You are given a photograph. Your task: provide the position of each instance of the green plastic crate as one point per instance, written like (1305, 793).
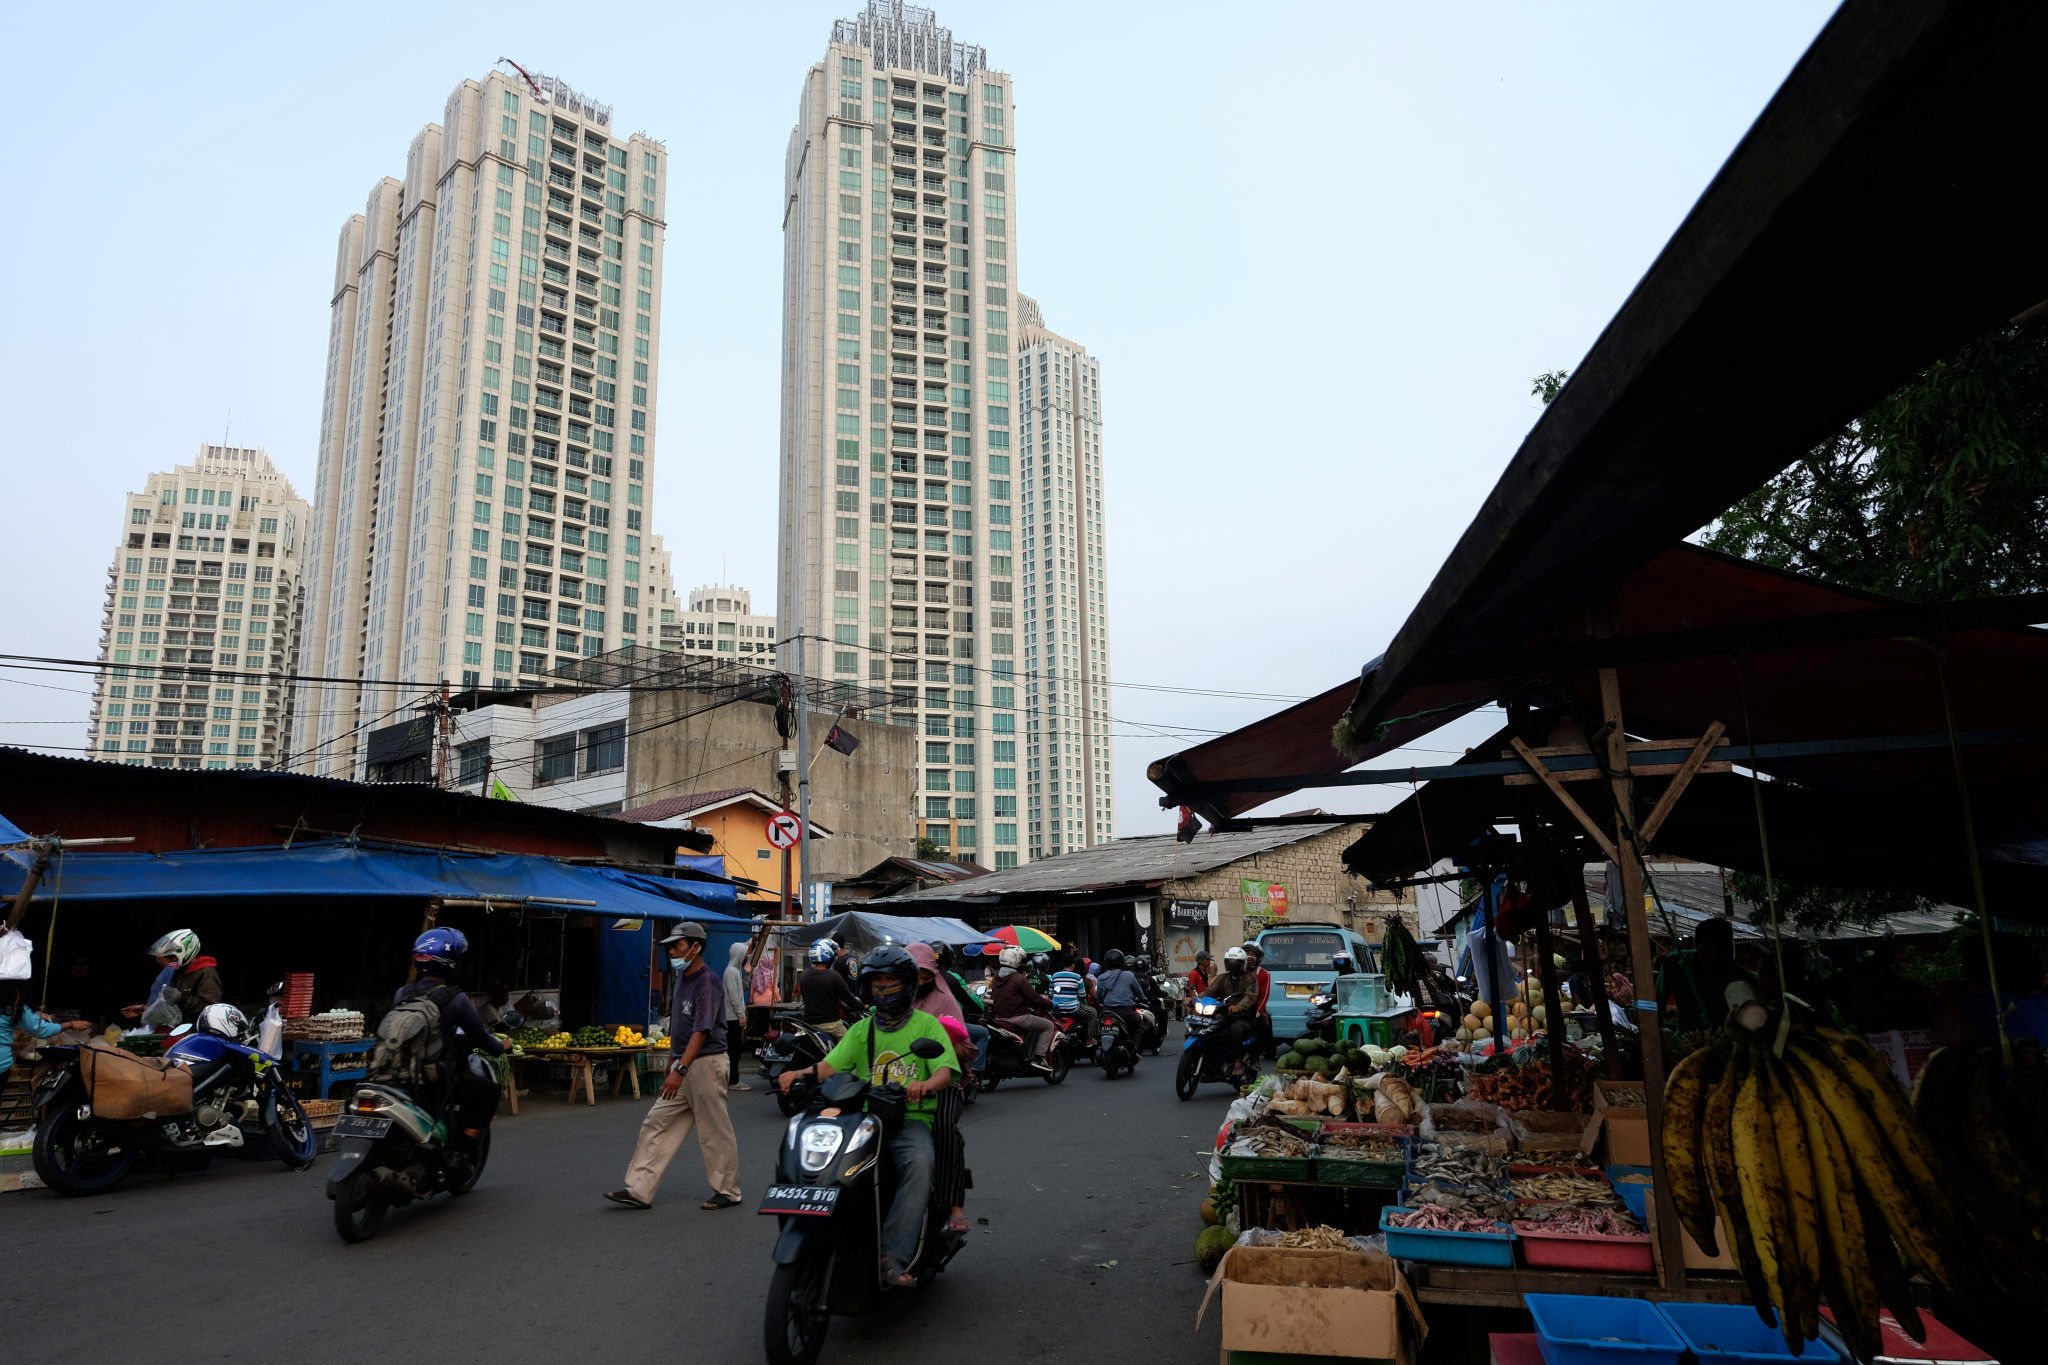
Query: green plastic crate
(1289, 1168)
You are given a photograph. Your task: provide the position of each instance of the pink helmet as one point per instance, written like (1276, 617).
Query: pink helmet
(955, 1030)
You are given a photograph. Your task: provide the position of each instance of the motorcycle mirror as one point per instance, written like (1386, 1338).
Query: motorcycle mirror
(927, 1048)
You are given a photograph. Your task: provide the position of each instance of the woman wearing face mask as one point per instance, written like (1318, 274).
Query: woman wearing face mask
(693, 1094)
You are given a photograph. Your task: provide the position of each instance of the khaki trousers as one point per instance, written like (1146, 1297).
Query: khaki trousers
(700, 1104)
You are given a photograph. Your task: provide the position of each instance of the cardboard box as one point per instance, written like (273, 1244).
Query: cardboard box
(1695, 1259)
(1348, 1305)
(1626, 1127)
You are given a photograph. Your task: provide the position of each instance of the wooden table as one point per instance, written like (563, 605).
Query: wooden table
(1477, 1287)
(583, 1070)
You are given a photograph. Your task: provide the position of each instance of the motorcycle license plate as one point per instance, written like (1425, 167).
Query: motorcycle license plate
(812, 1200)
(1301, 988)
(361, 1126)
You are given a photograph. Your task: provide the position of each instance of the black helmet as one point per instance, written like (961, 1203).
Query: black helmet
(888, 964)
(1113, 960)
(1040, 961)
(943, 954)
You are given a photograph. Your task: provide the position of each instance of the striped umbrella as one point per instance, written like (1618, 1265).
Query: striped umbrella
(1025, 937)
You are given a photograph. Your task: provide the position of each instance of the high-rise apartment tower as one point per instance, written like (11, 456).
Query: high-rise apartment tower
(900, 507)
(202, 623)
(1069, 789)
(487, 433)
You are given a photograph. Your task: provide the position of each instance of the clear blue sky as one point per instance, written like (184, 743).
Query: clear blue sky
(1320, 250)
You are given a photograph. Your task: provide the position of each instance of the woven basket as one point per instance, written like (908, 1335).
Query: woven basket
(321, 1109)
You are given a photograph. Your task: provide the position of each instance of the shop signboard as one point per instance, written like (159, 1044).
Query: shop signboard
(1186, 914)
(1265, 900)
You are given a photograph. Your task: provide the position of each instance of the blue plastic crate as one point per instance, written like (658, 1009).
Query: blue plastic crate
(1722, 1333)
(1448, 1248)
(1587, 1329)
(1636, 1196)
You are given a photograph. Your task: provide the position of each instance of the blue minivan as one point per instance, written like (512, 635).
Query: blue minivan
(1298, 959)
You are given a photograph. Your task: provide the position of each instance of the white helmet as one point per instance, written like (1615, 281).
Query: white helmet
(1013, 957)
(1234, 960)
(224, 1021)
(182, 944)
(823, 952)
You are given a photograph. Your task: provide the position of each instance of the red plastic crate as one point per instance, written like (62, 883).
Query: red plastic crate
(298, 995)
(1584, 1251)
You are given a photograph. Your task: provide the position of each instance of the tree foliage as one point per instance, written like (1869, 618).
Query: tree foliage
(1939, 491)
(930, 851)
(1824, 908)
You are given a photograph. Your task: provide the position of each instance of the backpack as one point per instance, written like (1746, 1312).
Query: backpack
(411, 1044)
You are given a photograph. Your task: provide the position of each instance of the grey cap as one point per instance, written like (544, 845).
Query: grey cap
(688, 928)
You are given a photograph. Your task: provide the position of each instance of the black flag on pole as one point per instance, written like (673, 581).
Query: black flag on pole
(845, 741)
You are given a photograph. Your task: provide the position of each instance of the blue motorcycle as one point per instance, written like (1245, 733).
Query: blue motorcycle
(238, 1101)
(1207, 1054)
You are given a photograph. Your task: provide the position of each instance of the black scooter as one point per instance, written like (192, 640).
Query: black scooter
(1009, 1057)
(792, 1045)
(831, 1192)
(390, 1151)
(1116, 1048)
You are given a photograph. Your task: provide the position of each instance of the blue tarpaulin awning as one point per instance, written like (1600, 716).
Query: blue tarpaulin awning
(330, 870)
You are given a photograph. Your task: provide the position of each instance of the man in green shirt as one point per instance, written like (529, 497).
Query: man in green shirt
(879, 1047)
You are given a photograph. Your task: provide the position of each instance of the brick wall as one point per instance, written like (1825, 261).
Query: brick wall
(1318, 888)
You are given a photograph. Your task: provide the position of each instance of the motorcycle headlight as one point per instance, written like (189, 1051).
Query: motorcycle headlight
(864, 1133)
(1317, 1002)
(1205, 1009)
(818, 1144)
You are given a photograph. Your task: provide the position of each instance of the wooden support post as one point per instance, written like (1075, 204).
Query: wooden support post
(1549, 779)
(1596, 971)
(1684, 775)
(1553, 1011)
(1671, 1258)
(28, 887)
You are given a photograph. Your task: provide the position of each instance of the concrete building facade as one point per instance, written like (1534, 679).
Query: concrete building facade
(720, 620)
(566, 750)
(899, 559)
(1069, 780)
(488, 424)
(682, 744)
(201, 629)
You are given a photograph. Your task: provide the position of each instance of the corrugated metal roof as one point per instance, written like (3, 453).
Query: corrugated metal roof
(670, 806)
(1153, 858)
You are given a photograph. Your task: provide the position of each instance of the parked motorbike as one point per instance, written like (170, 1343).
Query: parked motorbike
(238, 1101)
(791, 1045)
(1205, 1054)
(1009, 1058)
(389, 1151)
(832, 1189)
(1116, 1049)
(1321, 1021)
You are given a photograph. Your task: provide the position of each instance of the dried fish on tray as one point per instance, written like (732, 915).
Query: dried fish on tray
(1321, 1237)
(1259, 1140)
(1580, 1220)
(1459, 1165)
(1560, 1185)
(1479, 1200)
(1362, 1147)
(1435, 1219)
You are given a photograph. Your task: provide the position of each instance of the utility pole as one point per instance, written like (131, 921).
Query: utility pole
(444, 721)
(782, 732)
(803, 780)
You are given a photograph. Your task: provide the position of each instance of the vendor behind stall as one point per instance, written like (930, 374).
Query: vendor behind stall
(1694, 981)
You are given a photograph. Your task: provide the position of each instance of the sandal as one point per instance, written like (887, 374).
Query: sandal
(957, 1224)
(622, 1197)
(719, 1201)
(895, 1276)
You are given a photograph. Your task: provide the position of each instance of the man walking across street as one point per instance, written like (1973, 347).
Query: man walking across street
(693, 1092)
(735, 1013)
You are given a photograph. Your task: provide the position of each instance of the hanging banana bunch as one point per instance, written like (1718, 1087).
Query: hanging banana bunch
(1823, 1181)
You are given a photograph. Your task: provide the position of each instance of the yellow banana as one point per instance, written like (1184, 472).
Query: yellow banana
(1763, 1193)
(1894, 1290)
(1845, 1260)
(1686, 1092)
(1802, 1212)
(1917, 1217)
(1726, 1185)
(1870, 1076)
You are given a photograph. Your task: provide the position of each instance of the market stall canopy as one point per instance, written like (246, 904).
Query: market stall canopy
(11, 833)
(861, 931)
(330, 870)
(1782, 307)
(1756, 332)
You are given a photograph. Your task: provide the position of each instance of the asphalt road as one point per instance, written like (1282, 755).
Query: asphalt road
(241, 1262)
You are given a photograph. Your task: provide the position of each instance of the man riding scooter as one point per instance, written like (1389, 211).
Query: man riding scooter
(879, 1047)
(472, 1091)
(1118, 990)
